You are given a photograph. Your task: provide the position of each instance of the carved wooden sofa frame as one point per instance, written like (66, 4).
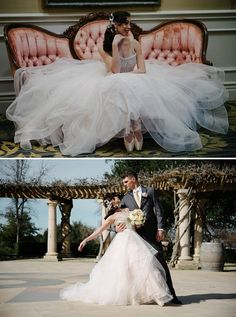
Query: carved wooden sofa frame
(174, 42)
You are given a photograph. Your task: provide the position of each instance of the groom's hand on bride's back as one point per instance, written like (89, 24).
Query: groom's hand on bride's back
(120, 227)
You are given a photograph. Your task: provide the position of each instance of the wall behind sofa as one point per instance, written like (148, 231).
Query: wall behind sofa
(218, 15)
(16, 6)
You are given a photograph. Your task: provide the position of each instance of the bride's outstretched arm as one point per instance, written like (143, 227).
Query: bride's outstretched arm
(110, 220)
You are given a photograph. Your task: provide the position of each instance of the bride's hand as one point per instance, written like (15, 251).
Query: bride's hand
(131, 36)
(82, 245)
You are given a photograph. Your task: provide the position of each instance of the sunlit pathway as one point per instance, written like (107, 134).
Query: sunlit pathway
(31, 288)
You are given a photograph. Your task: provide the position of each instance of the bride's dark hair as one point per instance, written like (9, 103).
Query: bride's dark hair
(107, 203)
(118, 17)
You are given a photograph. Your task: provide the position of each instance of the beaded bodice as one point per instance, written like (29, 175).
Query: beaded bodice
(122, 217)
(127, 63)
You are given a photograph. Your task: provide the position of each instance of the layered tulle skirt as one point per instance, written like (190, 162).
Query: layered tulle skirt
(127, 274)
(78, 106)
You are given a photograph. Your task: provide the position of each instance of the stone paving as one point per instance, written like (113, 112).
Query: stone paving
(30, 288)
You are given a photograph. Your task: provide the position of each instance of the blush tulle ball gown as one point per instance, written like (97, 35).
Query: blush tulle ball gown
(79, 106)
(127, 274)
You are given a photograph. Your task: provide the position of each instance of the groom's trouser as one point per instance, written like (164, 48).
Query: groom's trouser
(160, 258)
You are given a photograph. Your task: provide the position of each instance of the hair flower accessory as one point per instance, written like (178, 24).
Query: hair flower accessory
(111, 20)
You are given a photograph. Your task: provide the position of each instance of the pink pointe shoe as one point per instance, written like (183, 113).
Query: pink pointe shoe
(138, 144)
(129, 145)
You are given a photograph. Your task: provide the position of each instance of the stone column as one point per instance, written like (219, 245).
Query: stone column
(198, 235)
(52, 254)
(183, 217)
(65, 208)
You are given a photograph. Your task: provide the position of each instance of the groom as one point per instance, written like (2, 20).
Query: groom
(145, 198)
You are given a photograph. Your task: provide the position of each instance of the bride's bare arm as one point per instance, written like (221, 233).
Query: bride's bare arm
(112, 62)
(115, 66)
(141, 69)
(109, 221)
(107, 59)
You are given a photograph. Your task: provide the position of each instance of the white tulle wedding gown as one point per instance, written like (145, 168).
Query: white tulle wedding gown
(127, 274)
(78, 106)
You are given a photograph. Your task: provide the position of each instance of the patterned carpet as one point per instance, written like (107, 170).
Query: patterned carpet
(214, 145)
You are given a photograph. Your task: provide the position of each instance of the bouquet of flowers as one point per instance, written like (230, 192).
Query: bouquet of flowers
(137, 217)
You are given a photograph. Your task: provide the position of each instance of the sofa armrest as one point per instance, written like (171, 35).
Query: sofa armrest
(29, 45)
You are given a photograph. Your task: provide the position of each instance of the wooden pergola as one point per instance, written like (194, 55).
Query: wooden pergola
(185, 183)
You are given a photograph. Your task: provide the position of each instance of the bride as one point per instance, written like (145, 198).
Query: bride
(81, 105)
(127, 274)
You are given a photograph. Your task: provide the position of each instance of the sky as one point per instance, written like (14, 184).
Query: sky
(85, 210)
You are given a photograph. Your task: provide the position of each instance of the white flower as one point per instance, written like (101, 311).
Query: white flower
(144, 194)
(137, 217)
(140, 217)
(132, 217)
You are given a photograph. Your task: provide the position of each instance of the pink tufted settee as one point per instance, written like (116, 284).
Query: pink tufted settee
(174, 42)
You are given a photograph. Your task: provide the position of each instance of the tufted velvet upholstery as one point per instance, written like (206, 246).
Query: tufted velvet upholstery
(174, 43)
(88, 38)
(34, 47)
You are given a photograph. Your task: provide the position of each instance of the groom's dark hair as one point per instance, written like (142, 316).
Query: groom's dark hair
(129, 173)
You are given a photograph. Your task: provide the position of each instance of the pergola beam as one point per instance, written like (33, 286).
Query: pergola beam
(163, 182)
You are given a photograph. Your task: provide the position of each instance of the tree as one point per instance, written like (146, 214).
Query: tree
(79, 231)
(220, 216)
(20, 172)
(149, 167)
(8, 231)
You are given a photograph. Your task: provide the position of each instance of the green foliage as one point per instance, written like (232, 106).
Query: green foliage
(79, 231)
(6, 251)
(220, 217)
(167, 204)
(149, 167)
(18, 226)
(8, 230)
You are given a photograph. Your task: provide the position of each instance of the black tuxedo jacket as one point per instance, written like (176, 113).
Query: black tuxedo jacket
(150, 205)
